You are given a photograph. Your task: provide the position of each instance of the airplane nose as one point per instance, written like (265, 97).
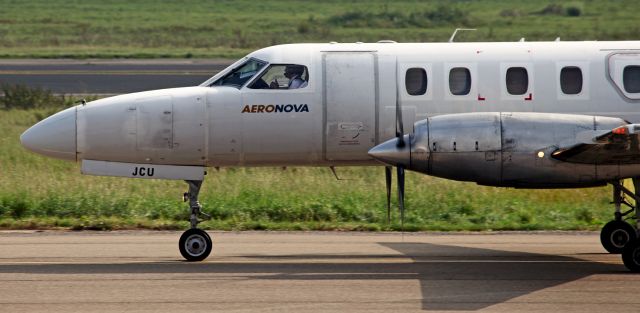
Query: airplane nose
(54, 136)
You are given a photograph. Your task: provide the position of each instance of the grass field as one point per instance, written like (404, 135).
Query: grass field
(37, 192)
(191, 28)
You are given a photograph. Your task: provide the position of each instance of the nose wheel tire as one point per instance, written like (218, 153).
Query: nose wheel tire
(195, 244)
(615, 235)
(631, 256)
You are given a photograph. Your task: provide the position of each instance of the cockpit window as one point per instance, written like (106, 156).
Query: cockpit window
(241, 74)
(283, 76)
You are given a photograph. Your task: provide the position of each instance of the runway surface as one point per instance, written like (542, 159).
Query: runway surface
(313, 272)
(108, 77)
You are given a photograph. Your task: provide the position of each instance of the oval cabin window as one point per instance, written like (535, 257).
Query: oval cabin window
(415, 81)
(459, 81)
(631, 78)
(571, 80)
(517, 80)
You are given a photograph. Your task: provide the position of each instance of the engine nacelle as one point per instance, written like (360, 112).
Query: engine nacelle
(511, 149)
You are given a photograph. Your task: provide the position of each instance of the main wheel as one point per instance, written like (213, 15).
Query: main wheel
(195, 244)
(631, 256)
(615, 235)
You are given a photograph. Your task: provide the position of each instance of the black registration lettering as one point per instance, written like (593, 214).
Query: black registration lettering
(143, 171)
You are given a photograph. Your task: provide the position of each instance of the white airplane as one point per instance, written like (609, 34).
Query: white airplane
(513, 114)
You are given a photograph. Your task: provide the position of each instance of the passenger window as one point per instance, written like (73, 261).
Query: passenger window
(517, 80)
(631, 78)
(240, 75)
(415, 81)
(460, 81)
(571, 80)
(284, 76)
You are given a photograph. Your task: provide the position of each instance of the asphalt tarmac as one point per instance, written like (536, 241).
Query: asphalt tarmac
(108, 77)
(141, 271)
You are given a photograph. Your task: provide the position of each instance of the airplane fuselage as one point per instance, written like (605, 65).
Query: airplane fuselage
(348, 106)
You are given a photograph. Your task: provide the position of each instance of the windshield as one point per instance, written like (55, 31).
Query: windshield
(282, 76)
(241, 74)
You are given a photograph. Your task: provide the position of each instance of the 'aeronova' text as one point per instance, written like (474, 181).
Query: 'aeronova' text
(277, 108)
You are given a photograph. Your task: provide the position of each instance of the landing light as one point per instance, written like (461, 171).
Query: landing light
(541, 154)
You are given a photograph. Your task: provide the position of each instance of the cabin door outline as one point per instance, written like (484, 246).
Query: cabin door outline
(350, 102)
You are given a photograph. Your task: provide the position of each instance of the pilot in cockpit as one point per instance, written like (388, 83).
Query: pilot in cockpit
(294, 73)
(289, 76)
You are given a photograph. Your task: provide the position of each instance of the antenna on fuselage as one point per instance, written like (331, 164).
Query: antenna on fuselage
(456, 31)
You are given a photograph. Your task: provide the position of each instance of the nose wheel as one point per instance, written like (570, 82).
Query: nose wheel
(195, 244)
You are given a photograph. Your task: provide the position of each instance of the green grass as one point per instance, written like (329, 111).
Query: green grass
(37, 192)
(191, 28)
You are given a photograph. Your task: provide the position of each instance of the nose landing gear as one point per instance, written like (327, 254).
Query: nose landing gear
(195, 244)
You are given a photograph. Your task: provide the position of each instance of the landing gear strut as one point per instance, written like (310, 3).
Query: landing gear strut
(195, 244)
(616, 234)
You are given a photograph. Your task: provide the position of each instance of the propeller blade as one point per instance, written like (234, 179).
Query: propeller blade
(399, 124)
(400, 174)
(387, 174)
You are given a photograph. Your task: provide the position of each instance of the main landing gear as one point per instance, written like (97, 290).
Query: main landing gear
(617, 233)
(195, 244)
(618, 236)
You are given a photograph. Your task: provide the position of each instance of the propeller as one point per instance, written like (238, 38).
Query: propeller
(399, 144)
(395, 152)
(399, 127)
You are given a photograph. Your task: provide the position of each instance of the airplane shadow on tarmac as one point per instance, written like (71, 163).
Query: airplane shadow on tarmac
(451, 277)
(461, 278)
